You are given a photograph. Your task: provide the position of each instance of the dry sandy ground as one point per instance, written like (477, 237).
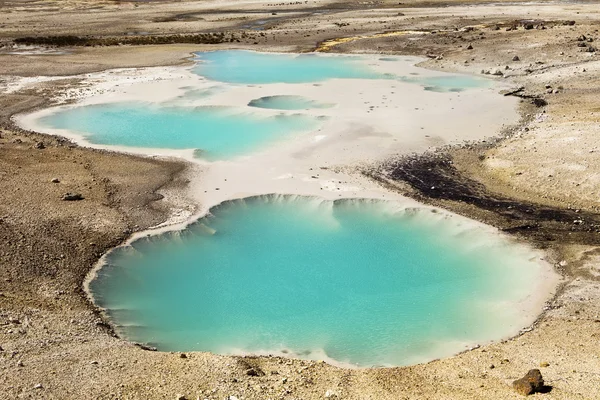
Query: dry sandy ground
(55, 346)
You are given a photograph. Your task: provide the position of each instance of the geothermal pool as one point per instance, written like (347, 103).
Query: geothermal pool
(210, 116)
(355, 282)
(217, 132)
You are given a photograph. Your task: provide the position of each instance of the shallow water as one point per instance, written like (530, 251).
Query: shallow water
(239, 66)
(217, 132)
(224, 129)
(359, 282)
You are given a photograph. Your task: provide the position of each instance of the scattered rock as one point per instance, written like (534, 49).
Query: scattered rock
(470, 47)
(539, 102)
(180, 397)
(544, 364)
(531, 383)
(528, 26)
(498, 73)
(254, 372)
(330, 394)
(72, 197)
(516, 58)
(183, 355)
(40, 145)
(55, 180)
(581, 44)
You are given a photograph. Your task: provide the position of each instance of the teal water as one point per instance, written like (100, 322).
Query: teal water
(240, 66)
(287, 102)
(353, 281)
(220, 132)
(217, 132)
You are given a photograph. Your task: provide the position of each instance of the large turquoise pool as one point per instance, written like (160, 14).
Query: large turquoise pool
(358, 282)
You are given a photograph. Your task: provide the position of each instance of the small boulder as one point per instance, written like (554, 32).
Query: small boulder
(55, 180)
(40, 145)
(72, 197)
(516, 58)
(531, 383)
(470, 47)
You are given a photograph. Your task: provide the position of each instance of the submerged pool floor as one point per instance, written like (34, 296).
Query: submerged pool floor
(358, 282)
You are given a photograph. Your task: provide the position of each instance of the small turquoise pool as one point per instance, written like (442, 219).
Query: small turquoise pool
(240, 66)
(353, 281)
(216, 132)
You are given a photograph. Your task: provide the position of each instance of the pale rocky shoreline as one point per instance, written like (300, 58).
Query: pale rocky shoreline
(53, 343)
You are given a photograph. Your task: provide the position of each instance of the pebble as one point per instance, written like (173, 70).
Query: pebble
(72, 197)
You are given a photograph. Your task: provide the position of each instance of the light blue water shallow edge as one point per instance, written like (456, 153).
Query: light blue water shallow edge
(353, 281)
(248, 67)
(217, 132)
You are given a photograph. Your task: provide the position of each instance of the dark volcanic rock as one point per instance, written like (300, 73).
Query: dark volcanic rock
(531, 383)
